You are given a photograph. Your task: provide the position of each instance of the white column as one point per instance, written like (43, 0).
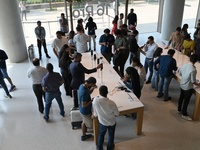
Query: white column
(172, 17)
(160, 15)
(11, 33)
(198, 14)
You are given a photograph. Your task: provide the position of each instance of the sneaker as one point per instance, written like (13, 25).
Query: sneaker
(159, 96)
(48, 56)
(12, 88)
(148, 81)
(169, 98)
(7, 96)
(85, 137)
(178, 111)
(186, 118)
(46, 119)
(63, 114)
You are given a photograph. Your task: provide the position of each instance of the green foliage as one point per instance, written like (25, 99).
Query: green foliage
(39, 1)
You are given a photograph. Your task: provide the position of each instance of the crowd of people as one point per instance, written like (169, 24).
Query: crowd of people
(116, 46)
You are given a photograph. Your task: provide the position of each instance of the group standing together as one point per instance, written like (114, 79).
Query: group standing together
(116, 46)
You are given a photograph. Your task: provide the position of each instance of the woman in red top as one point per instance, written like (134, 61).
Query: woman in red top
(114, 28)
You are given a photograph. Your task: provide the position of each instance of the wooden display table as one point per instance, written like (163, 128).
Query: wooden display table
(182, 59)
(127, 103)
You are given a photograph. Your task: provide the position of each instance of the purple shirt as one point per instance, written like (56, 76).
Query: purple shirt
(52, 82)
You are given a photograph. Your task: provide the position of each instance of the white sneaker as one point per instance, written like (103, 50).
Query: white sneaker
(186, 118)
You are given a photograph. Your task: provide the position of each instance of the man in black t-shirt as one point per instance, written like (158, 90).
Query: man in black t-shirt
(91, 32)
(132, 20)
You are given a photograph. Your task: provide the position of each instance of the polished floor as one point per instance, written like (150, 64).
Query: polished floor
(22, 127)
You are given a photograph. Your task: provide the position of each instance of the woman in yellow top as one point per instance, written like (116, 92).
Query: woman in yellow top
(188, 46)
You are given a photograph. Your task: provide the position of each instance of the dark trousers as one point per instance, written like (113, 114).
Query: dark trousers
(119, 68)
(111, 135)
(184, 99)
(107, 56)
(132, 55)
(75, 97)
(67, 81)
(3, 84)
(40, 44)
(39, 93)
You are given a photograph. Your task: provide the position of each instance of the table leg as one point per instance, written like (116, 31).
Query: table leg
(139, 121)
(96, 129)
(196, 107)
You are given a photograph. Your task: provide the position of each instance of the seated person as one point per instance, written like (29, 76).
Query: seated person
(132, 81)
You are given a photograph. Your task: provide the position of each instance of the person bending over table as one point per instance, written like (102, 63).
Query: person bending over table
(188, 78)
(85, 106)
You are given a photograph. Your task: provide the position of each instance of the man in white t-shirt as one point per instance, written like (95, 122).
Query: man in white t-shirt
(36, 73)
(58, 43)
(22, 7)
(106, 110)
(188, 74)
(120, 21)
(81, 40)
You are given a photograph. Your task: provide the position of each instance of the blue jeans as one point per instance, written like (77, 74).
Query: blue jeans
(3, 84)
(111, 135)
(49, 97)
(155, 80)
(149, 64)
(164, 81)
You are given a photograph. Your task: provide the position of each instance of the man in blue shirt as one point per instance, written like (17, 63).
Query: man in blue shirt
(166, 66)
(51, 83)
(85, 106)
(78, 73)
(106, 41)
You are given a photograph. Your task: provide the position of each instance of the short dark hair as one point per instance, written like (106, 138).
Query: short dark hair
(106, 31)
(157, 52)
(36, 62)
(38, 21)
(80, 20)
(124, 25)
(90, 19)
(193, 58)
(103, 91)
(187, 36)
(118, 32)
(91, 80)
(135, 32)
(62, 14)
(178, 29)
(59, 32)
(78, 28)
(137, 61)
(76, 55)
(171, 52)
(151, 38)
(49, 67)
